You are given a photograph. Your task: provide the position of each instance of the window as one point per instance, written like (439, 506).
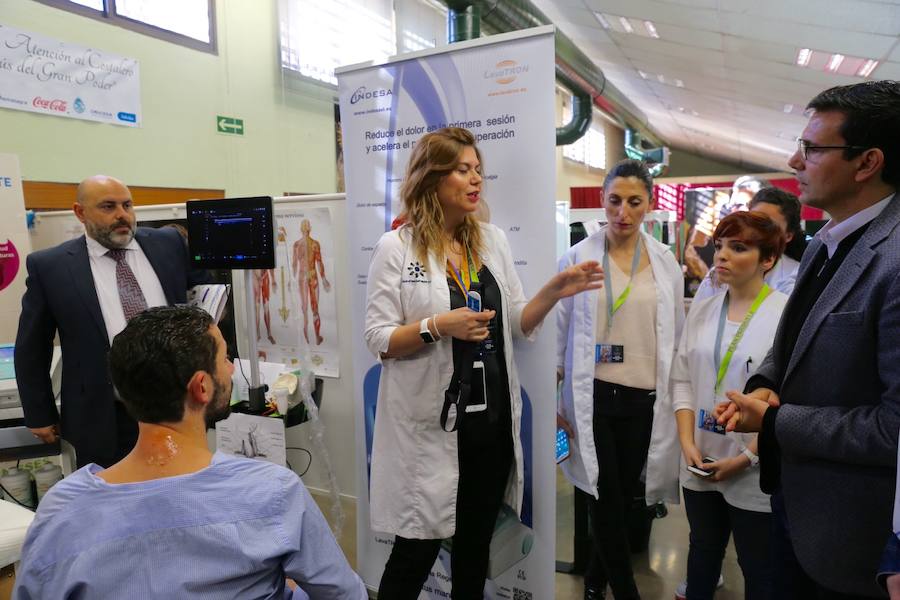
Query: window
(421, 24)
(591, 148)
(317, 37)
(190, 23)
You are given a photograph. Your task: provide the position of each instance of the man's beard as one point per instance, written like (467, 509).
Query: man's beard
(107, 236)
(220, 407)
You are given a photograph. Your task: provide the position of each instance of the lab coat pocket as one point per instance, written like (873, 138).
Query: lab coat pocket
(419, 401)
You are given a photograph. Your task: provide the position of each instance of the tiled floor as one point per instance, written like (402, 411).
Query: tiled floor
(657, 571)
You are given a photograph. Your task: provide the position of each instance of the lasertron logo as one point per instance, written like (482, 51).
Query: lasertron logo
(505, 71)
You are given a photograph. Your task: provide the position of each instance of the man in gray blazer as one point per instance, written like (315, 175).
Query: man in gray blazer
(827, 399)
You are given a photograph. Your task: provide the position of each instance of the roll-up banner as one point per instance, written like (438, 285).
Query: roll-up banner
(502, 89)
(15, 245)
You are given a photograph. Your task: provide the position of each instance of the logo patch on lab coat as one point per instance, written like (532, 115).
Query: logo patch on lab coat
(417, 273)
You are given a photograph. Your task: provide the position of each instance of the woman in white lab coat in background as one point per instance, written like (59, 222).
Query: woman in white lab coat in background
(615, 348)
(725, 338)
(431, 480)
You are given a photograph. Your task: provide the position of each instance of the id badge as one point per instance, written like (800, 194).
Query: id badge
(609, 353)
(478, 399)
(707, 422)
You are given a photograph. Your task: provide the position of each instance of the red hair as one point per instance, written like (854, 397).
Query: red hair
(754, 229)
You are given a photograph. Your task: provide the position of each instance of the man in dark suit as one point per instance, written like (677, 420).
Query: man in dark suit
(86, 289)
(827, 399)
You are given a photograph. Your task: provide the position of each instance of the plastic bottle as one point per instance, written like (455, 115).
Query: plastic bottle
(45, 477)
(17, 483)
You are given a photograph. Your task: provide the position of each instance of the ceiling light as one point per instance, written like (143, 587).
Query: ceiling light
(803, 56)
(788, 108)
(626, 25)
(642, 74)
(679, 83)
(661, 78)
(651, 29)
(681, 109)
(835, 63)
(867, 68)
(601, 18)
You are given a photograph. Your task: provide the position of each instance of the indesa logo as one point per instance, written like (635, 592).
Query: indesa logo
(55, 105)
(365, 94)
(505, 71)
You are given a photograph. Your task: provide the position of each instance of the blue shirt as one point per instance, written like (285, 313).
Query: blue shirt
(235, 529)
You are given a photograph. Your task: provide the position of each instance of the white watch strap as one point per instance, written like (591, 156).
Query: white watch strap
(753, 458)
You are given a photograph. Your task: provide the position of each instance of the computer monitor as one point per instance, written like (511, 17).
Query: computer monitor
(231, 233)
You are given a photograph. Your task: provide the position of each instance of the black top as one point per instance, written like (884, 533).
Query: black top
(481, 427)
(803, 298)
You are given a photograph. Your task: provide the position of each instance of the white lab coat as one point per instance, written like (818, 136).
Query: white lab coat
(694, 379)
(415, 466)
(576, 333)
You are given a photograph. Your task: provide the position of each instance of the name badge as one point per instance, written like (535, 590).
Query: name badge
(609, 353)
(707, 422)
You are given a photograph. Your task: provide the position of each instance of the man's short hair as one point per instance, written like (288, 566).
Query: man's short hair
(153, 359)
(871, 120)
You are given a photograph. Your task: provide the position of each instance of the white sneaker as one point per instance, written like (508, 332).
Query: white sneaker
(681, 590)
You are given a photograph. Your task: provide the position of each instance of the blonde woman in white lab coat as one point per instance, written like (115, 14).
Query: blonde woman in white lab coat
(616, 378)
(435, 476)
(725, 338)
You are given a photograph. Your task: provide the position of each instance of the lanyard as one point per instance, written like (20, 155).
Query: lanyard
(613, 307)
(466, 276)
(722, 363)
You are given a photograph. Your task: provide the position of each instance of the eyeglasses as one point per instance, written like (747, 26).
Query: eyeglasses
(805, 146)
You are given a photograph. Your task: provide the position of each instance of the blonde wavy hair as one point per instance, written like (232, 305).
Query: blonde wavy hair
(435, 156)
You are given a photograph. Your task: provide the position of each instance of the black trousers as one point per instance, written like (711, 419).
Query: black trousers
(623, 419)
(712, 522)
(790, 581)
(484, 466)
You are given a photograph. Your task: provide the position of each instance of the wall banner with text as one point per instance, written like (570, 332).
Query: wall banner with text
(43, 75)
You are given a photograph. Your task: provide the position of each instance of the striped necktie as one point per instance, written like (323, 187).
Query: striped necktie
(130, 293)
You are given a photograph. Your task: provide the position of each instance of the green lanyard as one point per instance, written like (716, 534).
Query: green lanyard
(611, 306)
(459, 276)
(721, 363)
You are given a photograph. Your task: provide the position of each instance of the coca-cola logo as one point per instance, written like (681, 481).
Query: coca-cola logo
(54, 105)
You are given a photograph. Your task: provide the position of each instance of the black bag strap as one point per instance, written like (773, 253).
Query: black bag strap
(456, 397)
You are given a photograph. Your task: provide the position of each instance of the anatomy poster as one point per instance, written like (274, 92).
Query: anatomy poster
(295, 303)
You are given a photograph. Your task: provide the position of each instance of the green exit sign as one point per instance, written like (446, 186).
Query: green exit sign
(229, 125)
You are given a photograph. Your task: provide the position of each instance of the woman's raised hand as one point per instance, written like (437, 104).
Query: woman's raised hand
(587, 275)
(464, 324)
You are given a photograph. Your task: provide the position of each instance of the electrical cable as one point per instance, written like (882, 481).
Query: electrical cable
(308, 453)
(237, 357)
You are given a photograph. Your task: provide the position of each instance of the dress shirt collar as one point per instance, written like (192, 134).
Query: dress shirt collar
(96, 249)
(832, 234)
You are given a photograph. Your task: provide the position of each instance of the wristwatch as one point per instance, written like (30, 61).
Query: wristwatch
(426, 334)
(754, 459)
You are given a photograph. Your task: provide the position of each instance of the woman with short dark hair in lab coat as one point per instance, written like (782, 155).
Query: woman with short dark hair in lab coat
(725, 338)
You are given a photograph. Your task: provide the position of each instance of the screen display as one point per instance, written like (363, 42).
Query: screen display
(233, 233)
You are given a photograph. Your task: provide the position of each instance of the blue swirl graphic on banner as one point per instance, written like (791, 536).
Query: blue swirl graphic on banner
(452, 86)
(415, 81)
